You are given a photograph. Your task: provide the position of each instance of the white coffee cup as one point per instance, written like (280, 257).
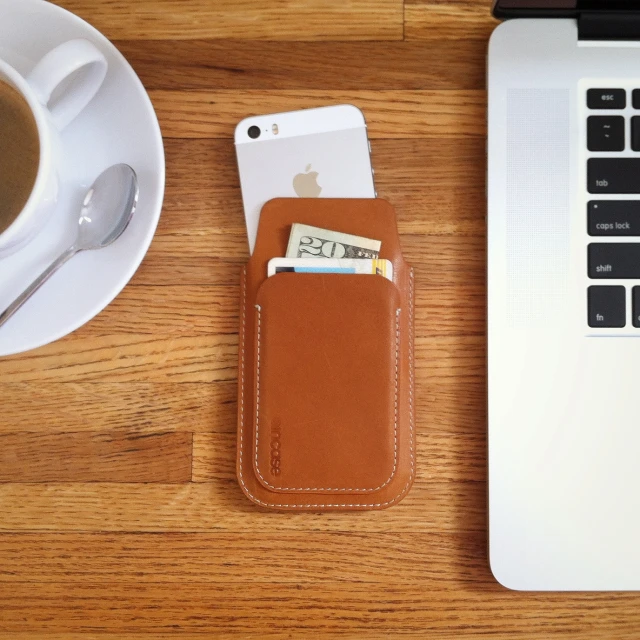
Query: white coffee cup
(54, 104)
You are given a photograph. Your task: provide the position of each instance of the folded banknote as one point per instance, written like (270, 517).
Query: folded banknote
(312, 242)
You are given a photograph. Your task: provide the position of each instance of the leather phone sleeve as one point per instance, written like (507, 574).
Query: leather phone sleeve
(325, 394)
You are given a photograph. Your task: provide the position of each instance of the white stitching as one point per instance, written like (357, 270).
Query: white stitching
(326, 505)
(257, 422)
(395, 425)
(244, 316)
(411, 348)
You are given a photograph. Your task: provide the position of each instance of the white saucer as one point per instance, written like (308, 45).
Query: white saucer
(119, 125)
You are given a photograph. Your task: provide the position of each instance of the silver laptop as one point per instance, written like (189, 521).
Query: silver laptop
(564, 295)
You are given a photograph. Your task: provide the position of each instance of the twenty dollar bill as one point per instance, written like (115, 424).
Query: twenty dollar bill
(312, 242)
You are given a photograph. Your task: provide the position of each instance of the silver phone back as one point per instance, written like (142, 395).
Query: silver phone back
(293, 163)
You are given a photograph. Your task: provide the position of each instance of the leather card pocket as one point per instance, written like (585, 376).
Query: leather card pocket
(327, 350)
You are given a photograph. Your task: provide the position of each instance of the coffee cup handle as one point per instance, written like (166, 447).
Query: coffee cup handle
(79, 57)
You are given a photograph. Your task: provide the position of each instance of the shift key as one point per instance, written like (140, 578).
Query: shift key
(613, 175)
(608, 260)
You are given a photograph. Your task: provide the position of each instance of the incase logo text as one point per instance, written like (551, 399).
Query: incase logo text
(276, 450)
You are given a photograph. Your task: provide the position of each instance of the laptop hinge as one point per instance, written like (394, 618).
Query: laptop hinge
(601, 25)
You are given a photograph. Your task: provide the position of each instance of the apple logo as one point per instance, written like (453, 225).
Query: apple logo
(306, 184)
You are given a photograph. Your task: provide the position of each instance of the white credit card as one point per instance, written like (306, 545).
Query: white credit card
(331, 265)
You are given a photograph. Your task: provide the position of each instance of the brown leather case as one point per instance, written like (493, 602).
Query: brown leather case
(325, 394)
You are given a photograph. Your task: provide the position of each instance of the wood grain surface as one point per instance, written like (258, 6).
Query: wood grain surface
(120, 514)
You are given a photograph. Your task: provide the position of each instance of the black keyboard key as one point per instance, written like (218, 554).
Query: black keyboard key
(605, 133)
(635, 312)
(636, 98)
(613, 175)
(614, 218)
(614, 260)
(635, 133)
(607, 307)
(606, 98)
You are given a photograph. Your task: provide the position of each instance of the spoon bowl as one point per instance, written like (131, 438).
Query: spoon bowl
(107, 208)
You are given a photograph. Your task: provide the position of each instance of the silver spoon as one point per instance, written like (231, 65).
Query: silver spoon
(106, 211)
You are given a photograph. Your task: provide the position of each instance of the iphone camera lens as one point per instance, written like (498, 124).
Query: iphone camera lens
(254, 132)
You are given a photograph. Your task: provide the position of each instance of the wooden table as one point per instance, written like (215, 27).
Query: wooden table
(120, 515)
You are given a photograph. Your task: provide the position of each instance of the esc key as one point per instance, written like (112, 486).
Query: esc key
(606, 98)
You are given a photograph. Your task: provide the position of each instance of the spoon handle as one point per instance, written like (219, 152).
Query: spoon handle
(36, 284)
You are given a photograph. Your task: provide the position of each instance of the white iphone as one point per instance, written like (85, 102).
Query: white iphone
(311, 153)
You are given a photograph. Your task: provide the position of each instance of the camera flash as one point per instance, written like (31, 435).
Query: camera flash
(274, 128)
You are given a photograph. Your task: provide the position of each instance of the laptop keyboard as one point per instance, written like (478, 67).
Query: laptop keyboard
(613, 215)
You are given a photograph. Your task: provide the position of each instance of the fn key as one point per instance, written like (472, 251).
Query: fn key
(607, 307)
